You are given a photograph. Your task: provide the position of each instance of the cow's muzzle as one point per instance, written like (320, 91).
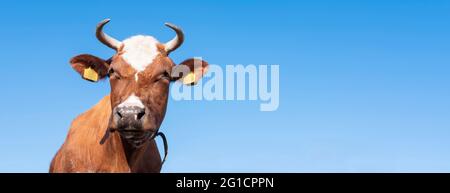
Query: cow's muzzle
(128, 122)
(129, 115)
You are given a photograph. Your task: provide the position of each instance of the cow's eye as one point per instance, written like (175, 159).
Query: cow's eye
(113, 74)
(164, 76)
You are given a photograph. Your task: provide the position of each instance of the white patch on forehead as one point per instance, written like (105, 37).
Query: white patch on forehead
(140, 51)
(132, 101)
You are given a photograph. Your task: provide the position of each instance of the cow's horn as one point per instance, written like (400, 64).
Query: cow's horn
(176, 41)
(105, 38)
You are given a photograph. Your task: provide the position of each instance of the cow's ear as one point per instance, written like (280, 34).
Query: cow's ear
(190, 71)
(90, 67)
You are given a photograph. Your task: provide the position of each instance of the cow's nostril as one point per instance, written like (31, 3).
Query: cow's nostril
(140, 114)
(119, 114)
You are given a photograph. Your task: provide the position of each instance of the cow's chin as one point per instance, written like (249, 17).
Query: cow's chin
(136, 137)
(134, 134)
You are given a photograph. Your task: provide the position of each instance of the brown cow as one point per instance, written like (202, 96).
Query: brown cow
(139, 75)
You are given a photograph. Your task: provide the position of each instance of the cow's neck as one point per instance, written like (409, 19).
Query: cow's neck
(133, 154)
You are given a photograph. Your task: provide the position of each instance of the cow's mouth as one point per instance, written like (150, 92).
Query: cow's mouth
(136, 137)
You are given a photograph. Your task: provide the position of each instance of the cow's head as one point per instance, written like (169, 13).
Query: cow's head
(139, 73)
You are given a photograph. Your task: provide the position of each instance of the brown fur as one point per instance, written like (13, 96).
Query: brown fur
(82, 151)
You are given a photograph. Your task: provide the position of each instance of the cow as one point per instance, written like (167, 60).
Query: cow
(116, 135)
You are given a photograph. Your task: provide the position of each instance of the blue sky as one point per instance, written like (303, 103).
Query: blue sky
(364, 86)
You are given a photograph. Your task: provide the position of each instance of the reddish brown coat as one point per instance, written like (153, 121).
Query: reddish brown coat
(82, 151)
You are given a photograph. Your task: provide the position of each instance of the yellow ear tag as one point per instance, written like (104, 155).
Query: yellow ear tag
(189, 79)
(90, 74)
